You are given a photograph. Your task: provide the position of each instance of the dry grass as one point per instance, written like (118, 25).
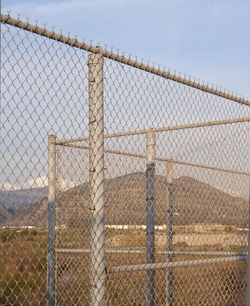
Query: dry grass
(23, 275)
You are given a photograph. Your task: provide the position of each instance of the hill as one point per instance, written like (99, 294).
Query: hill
(15, 202)
(125, 202)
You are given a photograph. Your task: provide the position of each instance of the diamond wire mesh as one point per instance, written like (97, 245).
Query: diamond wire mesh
(44, 90)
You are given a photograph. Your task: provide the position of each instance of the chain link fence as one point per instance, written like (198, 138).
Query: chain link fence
(121, 183)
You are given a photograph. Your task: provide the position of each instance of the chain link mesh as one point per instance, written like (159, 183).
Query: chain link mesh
(149, 179)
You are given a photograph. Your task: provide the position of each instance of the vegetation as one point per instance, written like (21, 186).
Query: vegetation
(23, 266)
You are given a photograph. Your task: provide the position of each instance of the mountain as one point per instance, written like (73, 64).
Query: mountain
(42, 181)
(195, 202)
(13, 202)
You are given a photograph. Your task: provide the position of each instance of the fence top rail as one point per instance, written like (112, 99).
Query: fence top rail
(162, 129)
(123, 59)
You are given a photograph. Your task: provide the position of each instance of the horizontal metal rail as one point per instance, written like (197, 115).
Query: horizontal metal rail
(163, 129)
(86, 147)
(159, 158)
(205, 166)
(143, 250)
(179, 263)
(122, 59)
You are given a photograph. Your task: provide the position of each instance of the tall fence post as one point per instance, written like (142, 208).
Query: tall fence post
(96, 159)
(51, 218)
(150, 189)
(170, 221)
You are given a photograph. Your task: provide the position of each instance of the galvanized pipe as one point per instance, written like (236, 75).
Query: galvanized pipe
(179, 263)
(96, 158)
(122, 59)
(150, 194)
(159, 158)
(163, 129)
(185, 163)
(169, 240)
(51, 218)
(142, 251)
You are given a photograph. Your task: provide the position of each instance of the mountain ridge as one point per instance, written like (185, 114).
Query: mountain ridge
(125, 202)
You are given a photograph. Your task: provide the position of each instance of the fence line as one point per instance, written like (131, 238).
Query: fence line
(157, 252)
(159, 158)
(122, 59)
(55, 84)
(180, 263)
(163, 129)
(176, 161)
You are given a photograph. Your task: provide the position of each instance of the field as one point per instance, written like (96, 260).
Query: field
(23, 261)
(23, 264)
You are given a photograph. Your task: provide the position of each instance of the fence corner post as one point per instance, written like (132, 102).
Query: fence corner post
(96, 168)
(51, 217)
(150, 198)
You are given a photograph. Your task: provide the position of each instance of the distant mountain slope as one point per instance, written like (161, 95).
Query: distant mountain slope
(125, 202)
(14, 202)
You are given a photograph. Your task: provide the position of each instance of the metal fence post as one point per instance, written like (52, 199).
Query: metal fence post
(51, 217)
(150, 247)
(170, 221)
(248, 253)
(96, 159)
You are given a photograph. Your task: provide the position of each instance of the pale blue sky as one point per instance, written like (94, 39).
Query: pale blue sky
(207, 39)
